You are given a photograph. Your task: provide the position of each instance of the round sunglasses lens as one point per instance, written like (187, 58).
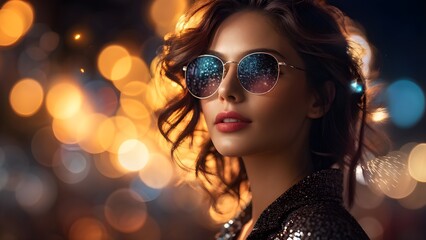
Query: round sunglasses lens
(258, 72)
(203, 76)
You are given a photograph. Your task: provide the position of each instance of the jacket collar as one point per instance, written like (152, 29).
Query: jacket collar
(321, 186)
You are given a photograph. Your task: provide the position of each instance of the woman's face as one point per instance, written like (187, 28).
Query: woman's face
(268, 123)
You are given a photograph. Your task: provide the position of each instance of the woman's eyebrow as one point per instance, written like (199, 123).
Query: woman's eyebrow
(268, 50)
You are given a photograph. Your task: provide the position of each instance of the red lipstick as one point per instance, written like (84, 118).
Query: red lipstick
(228, 122)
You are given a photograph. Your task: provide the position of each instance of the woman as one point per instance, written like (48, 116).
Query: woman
(282, 98)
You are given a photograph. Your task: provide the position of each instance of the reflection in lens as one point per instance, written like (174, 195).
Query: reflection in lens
(203, 76)
(258, 73)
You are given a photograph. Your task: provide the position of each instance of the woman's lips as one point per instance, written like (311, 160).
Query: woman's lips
(227, 122)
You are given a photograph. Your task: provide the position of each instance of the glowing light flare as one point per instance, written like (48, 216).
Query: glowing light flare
(165, 14)
(88, 229)
(380, 115)
(114, 62)
(77, 36)
(64, 99)
(417, 162)
(44, 145)
(133, 155)
(228, 206)
(125, 211)
(26, 97)
(158, 172)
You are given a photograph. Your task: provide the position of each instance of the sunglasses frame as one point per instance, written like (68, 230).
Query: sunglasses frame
(279, 63)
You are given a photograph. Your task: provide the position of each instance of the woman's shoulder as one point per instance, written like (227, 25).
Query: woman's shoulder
(320, 221)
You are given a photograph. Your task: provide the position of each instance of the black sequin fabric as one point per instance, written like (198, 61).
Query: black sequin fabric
(311, 209)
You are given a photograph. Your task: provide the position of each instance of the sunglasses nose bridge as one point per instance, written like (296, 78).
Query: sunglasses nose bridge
(226, 68)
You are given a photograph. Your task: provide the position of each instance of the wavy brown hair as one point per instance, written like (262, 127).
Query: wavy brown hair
(318, 33)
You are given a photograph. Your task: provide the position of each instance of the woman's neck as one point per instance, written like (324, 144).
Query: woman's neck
(270, 175)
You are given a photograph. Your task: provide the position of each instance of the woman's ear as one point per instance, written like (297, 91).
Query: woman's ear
(320, 104)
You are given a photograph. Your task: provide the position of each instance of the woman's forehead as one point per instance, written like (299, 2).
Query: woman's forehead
(245, 32)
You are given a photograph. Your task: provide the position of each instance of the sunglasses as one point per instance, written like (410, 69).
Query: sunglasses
(257, 72)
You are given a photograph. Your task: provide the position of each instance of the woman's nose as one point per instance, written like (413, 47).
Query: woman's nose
(230, 89)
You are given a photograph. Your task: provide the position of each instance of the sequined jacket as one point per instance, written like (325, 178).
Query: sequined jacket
(311, 209)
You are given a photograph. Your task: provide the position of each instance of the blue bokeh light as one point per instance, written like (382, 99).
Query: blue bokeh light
(406, 101)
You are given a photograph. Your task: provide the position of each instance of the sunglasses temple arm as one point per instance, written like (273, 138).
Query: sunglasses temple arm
(292, 66)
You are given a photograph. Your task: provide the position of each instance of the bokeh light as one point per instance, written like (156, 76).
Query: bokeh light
(16, 17)
(71, 166)
(87, 132)
(107, 164)
(406, 103)
(133, 155)
(158, 172)
(26, 97)
(129, 79)
(88, 229)
(69, 130)
(64, 100)
(125, 211)
(36, 192)
(417, 162)
(114, 62)
(114, 131)
(165, 14)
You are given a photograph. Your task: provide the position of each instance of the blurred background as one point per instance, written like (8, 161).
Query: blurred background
(80, 157)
